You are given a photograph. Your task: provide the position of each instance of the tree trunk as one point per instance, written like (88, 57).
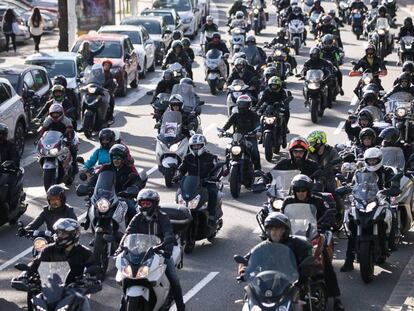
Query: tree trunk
(63, 44)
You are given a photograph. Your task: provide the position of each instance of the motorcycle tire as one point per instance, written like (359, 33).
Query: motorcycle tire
(190, 241)
(49, 178)
(87, 125)
(366, 262)
(235, 182)
(268, 147)
(319, 296)
(297, 47)
(100, 251)
(213, 87)
(168, 177)
(358, 36)
(314, 109)
(137, 304)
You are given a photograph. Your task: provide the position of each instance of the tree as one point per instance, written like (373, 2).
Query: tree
(63, 44)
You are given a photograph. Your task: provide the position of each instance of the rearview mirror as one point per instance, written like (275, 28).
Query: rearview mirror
(150, 93)
(240, 259)
(80, 160)
(350, 112)
(21, 266)
(82, 190)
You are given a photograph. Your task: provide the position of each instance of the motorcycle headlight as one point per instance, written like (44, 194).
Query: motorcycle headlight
(103, 205)
(256, 11)
(256, 308)
(400, 112)
(278, 53)
(54, 152)
(277, 205)
(180, 200)
(174, 147)
(92, 89)
(236, 150)
(237, 88)
(143, 272)
(370, 207)
(313, 85)
(39, 244)
(269, 120)
(381, 32)
(367, 80)
(194, 202)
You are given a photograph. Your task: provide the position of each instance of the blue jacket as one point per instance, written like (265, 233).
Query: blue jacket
(100, 155)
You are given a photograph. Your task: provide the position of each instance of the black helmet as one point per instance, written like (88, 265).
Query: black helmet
(243, 103)
(186, 42)
(277, 219)
(216, 35)
(327, 40)
(408, 66)
(148, 201)
(4, 132)
(118, 151)
(367, 132)
(177, 35)
(408, 21)
(270, 72)
(370, 96)
(281, 32)
(176, 100)
(106, 138)
(60, 79)
(67, 232)
(405, 76)
(390, 136)
(382, 9)
(301, 182)
(176, 44)
(374, 3)
(251, 40)
(297, 10)
(56, 191)
(366, 115)
(168, 73)
(315, 53)
(326, 20)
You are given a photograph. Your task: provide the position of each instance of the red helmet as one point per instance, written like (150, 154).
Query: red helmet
(107, 61)
(56, 112)
(298, 143)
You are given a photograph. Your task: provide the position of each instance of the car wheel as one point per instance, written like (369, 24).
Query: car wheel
(143, 73)
(134, 83)
(152, 68)
(19, 137)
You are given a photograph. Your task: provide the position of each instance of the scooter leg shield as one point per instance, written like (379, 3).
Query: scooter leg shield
(138, 291)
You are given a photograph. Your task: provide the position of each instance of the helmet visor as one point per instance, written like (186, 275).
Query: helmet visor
(196, 147)
(373, 161)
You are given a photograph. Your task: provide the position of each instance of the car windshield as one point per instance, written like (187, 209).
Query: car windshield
(55, 67)
(153, 27)
(393, 156)
(178, 5)
(13, 79)
(113, 49)
(168, 18)
(133, 35)
(302, 218)
(366, 187)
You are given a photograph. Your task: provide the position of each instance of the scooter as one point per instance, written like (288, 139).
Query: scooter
(238, 37)
(406, 50)
(357, 22)
(296, 34)
(215, 70)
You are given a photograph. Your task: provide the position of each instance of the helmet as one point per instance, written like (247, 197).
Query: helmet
(390, 136)
(318, 2)
(185, 41)
(209, 18)
(326, 20)
(60, 79)
(67, 232)
(315, 138)
(297, 10)
(382, 9)
(281, 32)
(106, 138)
(315, 53)
(56, 191)
(187, 85)
(408, 21)
(370, 96)
(270, 72)
(240, 63)
(408, 66)
(107, 61)
(58, 92)
(332, 13)
(176, 44)
(373, 159)
(216, 35)
(177, 35)
(243, 103)
(405, 76)
(370, 49)
(277, 219)
(365, 115)
(176, 100)
(239, 15)
(367, 132)
(148, 201)
(327, 40)
(275, 83)
(118, 151)
(300, 182)
(56, 112)
(374, 3)
(197, 144)
(4, 132)
(296, 144)
(251, 40)
(186, 81)
(168, 73)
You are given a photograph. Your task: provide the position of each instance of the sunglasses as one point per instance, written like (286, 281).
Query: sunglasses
(145, 204)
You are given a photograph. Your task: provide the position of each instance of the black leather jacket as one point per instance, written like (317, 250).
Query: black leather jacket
(181, 58)
(49, 217)
(406, 31)
(201, 166)
(221, 47)
(8, 152)
(125, 177)
(321, 64)
(376, 66)
(271, 97)
(243, 123)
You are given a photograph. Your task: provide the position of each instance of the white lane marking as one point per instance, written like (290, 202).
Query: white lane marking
(257, 230)
(199, 286)
(28, 250)
(339, 128)
(152, 170)
(210, 127)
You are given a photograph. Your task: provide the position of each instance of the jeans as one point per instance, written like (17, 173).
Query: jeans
(13, 38)
(177, 292)
(212, 198)
(254, 152)
(36, 40)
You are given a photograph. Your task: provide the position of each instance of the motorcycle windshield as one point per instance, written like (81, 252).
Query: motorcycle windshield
(394, 157)
(252, 55)
(303, 220)
(138, 245)
(314, 75)
(382, 23)
(397, 100)
(237, 137)
(95, 74)
(214, 54)
(50, 138)
(271, 269)
(280, 186)
(238, 85)
(171, 125)
(190, 187)
(175, 67)
(295, 23)
(52, 277)
(105, 186)
(366, 187)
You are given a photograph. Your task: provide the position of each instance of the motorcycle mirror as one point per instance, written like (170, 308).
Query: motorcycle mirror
(240, 259)
(397, 176)
(201, 102)
(343, 190)
(350, 112)
(83, 176)
(340, 177)
(82, 190)
(93, 270)
(80, 160)
(353, 63)
(150, 93)
(21, 266)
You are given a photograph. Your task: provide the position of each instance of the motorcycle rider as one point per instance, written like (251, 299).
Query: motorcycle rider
(187, 48)
(241, 72)
(58, 96)
(243, 122)
(301, 186)
(251, 43)
(111, 86)
(365, 119)
(327, 27)
(358, 5)
(370, 98)
(189, 120)
(373, 163)
(407, 67)
(336, 21)
(407, 29)
(151, 220)
(210, 27)
(217, 43)
(177, 54)
(403, 85)
(57, 121)
(282, 39)
(382, 13)
(298, 14)
(236, 7)
(372, 62)
(239, 21)
(69, 93)
(101, 154)
(390, 137)
(200, 162)
(333, 54)
(56, 209)
(317, 7)
(165, 85)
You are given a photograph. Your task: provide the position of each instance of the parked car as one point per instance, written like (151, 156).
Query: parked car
(2, 41)
(32, 84)
(12, 114)
(158, 31)
(170, 16)
(189, 13)
(23, 34)
(144, 46)
(120, 50)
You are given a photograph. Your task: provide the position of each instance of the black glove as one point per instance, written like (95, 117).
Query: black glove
(21, 231)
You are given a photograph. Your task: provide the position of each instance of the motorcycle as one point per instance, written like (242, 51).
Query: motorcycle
(12, 204)
(238, 36)
(280, 62)
(273, 129)
(95, 100)
(160, 105)
(55, 158)
(241, 165)
(194, 196)
(316, 93)
(47, 291)
(406, 50)
(400, 111)
(234, 91)
(381, 38)
(172, 146)
(296, 34)
(215, 70)
(141, 271)
(257, 16)
(314, 18)
(343, 10)
(357, 22)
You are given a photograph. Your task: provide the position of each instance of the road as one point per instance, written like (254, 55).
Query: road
(208, 276)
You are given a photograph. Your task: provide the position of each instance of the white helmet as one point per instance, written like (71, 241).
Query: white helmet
(239, 15)
(197, 144)
(209, 18)
(373, 159)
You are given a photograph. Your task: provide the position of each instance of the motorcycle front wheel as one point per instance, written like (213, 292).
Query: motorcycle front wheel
(366, 262)
(87, 125)
(49, 177)
(168, 177)
(314, 109)
(235, 182)
(137, 304)
(100, 252)
(268, 146)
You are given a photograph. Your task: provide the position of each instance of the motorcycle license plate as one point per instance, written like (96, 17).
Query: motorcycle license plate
(237, 94)
(357, 15)
(213, 76)
(47, 165)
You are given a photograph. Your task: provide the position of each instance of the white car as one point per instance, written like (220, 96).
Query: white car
(144, 46)
(12, 114)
